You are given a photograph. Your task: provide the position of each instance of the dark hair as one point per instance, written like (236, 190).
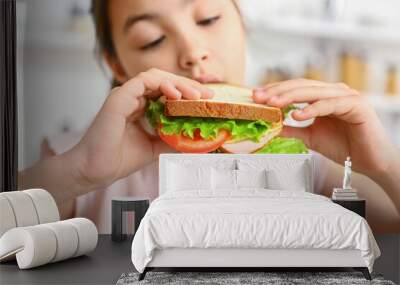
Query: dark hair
(104, 43)
(102, 25)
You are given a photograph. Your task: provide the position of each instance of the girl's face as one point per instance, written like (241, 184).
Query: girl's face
(199, 39)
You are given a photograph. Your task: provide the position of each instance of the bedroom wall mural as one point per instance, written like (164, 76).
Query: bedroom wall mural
(209, 133)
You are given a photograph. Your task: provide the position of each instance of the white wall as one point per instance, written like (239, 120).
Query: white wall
(64, 86)
(55, 100)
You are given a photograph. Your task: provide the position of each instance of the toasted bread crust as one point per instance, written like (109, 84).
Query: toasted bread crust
(214, 109)
(229, 102)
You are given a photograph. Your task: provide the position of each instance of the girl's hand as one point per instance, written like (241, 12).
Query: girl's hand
(345, 123)
(115, 145)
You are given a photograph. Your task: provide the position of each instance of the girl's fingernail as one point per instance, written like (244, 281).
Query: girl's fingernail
(259, 92)
(299, 112)
(197, 94)
(178, 94)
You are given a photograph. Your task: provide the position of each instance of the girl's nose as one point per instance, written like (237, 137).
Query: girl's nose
(193, 57)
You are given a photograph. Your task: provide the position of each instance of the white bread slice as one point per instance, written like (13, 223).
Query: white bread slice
(229, 102)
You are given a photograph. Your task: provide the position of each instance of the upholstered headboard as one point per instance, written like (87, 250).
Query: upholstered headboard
(289, 170)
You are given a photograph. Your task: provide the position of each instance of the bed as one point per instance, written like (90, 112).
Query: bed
(247, 211)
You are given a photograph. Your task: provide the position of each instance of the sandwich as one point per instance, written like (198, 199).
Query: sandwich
(230, 122)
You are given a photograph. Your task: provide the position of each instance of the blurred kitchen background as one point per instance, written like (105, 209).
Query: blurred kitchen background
(62, 86)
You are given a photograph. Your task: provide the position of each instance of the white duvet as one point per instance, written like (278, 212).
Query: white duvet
(253, 218)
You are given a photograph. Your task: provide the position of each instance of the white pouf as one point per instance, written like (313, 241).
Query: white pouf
(33, 246)
(67, 240)
(37, 245)
(23, 208)
(7, 216)
(46, 207)
(87, 233)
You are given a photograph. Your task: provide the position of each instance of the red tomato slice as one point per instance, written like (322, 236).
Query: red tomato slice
(197, 144)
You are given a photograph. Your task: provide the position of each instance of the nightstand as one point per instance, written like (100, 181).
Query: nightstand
(357, 206)
(122, 213)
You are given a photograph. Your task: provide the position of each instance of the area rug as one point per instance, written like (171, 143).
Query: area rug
(243, 278)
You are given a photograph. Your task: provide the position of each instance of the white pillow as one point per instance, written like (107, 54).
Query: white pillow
(293, 180)
(251, 178)
(182, 177)
(224, 179)
(291, 173)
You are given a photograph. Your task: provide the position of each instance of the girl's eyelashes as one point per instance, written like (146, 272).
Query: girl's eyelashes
(209, 21)
(153, 44)
(157, 42)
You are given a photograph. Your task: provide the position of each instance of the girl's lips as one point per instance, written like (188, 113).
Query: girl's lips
(208, 78)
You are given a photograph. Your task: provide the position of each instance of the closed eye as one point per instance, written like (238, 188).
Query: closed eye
(153, 44)
(208, 21)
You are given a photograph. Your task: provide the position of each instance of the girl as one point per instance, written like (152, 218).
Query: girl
(171, 48)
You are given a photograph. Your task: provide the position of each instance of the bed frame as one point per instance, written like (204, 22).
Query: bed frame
(234, 259)
(249, 259)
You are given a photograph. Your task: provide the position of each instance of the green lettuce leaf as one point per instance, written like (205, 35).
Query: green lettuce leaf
(284, 145)
(153, 112)
(209, 127)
